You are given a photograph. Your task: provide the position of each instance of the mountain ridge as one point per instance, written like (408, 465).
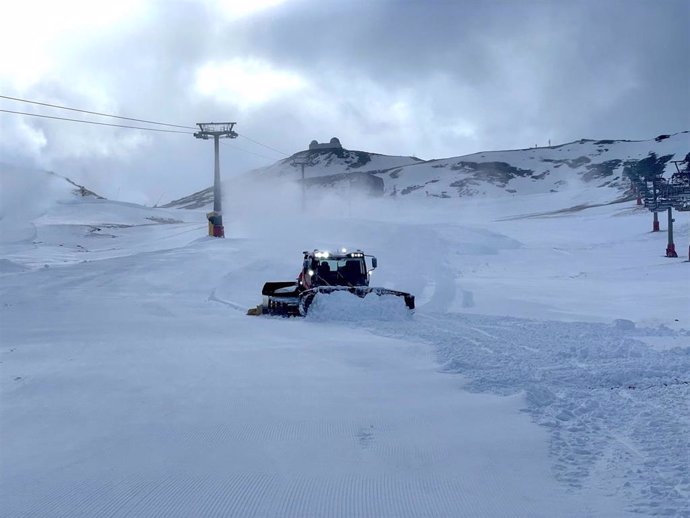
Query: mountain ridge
(580, 164)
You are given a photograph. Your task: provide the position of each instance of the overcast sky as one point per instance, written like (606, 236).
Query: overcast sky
(429, 78)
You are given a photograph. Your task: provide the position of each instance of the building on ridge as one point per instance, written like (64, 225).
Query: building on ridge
(334, 143)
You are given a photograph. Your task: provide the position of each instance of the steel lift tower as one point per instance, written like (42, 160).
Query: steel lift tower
(217, 130)
(302, 162)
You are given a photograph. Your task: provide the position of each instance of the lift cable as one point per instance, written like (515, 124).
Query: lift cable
(94, 122)
(130, 127)
(96, 113)
(101, 114)
(233, 146)
(264, 145)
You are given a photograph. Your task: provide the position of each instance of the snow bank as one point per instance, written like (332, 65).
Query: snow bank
(343, 306)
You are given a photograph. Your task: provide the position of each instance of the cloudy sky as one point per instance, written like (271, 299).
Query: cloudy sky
(430, 78)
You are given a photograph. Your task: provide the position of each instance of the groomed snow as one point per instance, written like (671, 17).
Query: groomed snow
(544, 372)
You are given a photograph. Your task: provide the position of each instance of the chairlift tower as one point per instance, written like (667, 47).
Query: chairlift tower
(302, 162)
(679, 188)
(217, 130)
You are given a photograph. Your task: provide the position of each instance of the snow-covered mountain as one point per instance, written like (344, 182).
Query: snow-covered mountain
(593, 165)
(326, 167)
(580, 164)
(334, 161)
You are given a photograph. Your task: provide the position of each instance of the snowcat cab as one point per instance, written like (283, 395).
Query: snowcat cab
(328, 269)
(323, 272)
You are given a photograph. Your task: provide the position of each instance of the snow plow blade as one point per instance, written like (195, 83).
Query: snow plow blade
(307, 297)
(285, 299)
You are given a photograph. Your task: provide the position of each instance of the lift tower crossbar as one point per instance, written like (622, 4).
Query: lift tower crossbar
(217, 130)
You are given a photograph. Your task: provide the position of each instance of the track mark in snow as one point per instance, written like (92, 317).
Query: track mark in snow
(616, 408)
(365, 436)
(185, 495)
(147, 502)
(243, 495)
(112, 498)
(61, 499)
(130, 498)
(176, 499)
(214, 298)
(482, 332)
(296, 497)
(383, 496)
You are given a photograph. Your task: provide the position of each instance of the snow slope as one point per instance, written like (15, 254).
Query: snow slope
(584, 165)
(322, 167)
(592, 168)
(325, 162)
(544, 372)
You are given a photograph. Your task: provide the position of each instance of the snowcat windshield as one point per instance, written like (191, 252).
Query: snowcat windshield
(343, 271)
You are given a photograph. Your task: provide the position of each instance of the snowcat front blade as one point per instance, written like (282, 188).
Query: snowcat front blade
(307, 296)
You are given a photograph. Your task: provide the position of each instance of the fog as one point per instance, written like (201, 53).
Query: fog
(25, 195)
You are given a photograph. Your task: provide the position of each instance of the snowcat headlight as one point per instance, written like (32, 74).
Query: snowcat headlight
(310, 272)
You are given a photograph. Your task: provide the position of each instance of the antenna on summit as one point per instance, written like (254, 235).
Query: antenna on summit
(217, 130)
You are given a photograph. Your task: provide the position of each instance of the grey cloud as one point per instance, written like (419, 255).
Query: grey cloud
(515, 73)
(582, 64)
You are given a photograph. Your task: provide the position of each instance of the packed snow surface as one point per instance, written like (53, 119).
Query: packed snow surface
(543, 373)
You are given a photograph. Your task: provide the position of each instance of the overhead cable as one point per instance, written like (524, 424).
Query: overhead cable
(94, 122)
(144, 121)
(233, 146)
(264, 145)
(95, 113)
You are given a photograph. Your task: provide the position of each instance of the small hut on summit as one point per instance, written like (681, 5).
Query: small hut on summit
(334, 143)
